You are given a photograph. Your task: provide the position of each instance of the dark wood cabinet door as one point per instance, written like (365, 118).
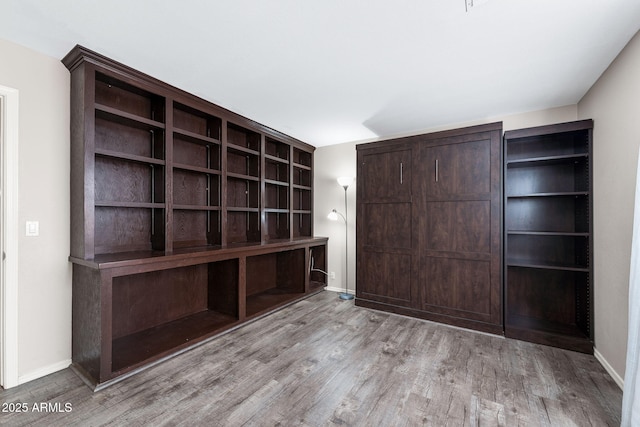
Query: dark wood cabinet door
(384, 228)
(385, 175)
(460, 228)
(459, 168)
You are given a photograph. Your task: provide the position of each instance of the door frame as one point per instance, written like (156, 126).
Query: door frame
(10, 227)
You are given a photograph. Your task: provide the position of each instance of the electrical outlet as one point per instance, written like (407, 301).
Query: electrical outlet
(332, 275)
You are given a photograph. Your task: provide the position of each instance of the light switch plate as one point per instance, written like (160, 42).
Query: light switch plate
(33, 228)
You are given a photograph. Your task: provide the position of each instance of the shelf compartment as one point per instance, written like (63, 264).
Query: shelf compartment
(276, 150)
(301, 158)
(301, 226)
(159, 312)
(142, 140)
(241, 137)
(243, 227)
(192, 121)
(317, 267)
(552, 145)
(548, 214)
(276, 196)
(127, 98)
(128, 229)
(549, 250)
(243, 193)
(537, 299)
(572, 177)
(301, 177)
(196, 228)
(241, 163)
(301, 199)
(196, 153)
(192, 188)
(276, 171)
(274, 279)
(119, 180)
(277, 225)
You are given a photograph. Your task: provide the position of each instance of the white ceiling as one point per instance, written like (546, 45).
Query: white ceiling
(334, 71)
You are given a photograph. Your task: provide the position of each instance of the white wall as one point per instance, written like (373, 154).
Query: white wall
(614, 104)
(338, 160)
(44, 274)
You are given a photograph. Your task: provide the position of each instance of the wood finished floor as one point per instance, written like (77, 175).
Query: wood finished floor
(323, 361)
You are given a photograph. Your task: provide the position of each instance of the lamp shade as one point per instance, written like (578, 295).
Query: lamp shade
(333, 215)
(345, 181)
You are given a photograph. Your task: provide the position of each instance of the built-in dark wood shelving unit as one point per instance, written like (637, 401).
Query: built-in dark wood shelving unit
(548, 235)
(187, 219)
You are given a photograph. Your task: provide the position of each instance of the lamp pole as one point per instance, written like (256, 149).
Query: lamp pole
(345, 182)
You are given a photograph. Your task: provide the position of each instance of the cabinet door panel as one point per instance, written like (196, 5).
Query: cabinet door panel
(386, 175)
(458, 288)
(385, 277)
(388, 225)
(458, 226)
(459, 168)
(459, 239)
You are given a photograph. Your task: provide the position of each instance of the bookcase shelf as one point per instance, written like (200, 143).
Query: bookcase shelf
(548, 235)
(177, 204)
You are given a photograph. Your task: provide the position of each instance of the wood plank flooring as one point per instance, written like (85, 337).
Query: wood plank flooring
(324, 362)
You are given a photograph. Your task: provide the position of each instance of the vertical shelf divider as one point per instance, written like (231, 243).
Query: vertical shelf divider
(168, 134)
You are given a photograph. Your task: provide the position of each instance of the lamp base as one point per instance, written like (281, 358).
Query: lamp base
(346, 296)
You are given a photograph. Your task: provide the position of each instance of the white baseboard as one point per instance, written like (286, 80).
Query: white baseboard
(341, 290)
(617, 378)
(43, 372)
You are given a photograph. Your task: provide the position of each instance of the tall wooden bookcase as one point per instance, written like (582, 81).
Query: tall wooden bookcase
(548, 235)
(186, 219)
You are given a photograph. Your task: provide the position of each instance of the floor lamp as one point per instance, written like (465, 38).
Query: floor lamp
(345, 182)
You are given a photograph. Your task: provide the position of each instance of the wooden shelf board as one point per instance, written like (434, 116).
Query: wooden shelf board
(301, 187)
(546, 233)
(301, 166)
(196, 137)
(242, 176)
(278, 183)
(276, 159)
(268, 300)
(545, 266)
(196, 169)
(546, 160)
(126, 118)
(241, 150)
(130, 157)
(556, 194)
(276, 210)
(196, 208)
(125, 259)
(242, 209)
(153, 343)
(133, 205)
(543, 325)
